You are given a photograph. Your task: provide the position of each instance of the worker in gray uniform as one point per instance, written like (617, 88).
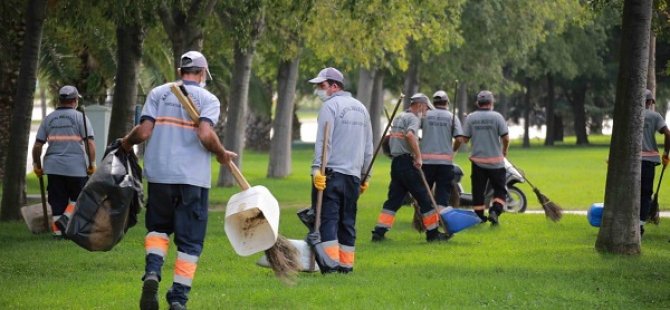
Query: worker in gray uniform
(653, 123)
(441, 135)
(488, 132)
(406, 173)
(349, 155)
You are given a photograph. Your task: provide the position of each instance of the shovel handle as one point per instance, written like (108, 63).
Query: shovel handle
(324, 162)
(44, 203)
(432, 198)
(241, 181)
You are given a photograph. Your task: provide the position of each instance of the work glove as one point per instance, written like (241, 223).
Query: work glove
(38, 171)
(364, 187)
(319, 180)
(665, 159)
(90, 170)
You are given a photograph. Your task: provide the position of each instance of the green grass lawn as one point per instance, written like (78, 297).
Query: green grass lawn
(526, 262)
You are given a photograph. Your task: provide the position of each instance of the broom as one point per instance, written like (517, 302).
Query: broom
(654, 210)
(379, 145)
(282, 256)
(552, 210)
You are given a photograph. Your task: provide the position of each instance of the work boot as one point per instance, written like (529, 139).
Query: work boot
(482, 217)
(177, 306)
(149, 299)
(436, 236)
(493, 217)
(378, 235)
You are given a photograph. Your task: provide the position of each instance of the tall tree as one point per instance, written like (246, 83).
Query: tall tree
(246, 21)
(130, 19)
(620, 232)
(13, 195)
(184, 21)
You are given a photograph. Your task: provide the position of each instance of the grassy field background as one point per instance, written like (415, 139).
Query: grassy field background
(526, 262)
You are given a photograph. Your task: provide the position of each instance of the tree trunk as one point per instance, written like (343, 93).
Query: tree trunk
(620, 232)
(366, 80)
(526, 115)
(376, 107)
(559, 129)
(579, 113)
(236, 120)
(550, 121)
(129, 38)
(184, 26)
(13, 25)
(280, 147)
(596, 123)
(14, 180)
(411, 84)
(651, 68)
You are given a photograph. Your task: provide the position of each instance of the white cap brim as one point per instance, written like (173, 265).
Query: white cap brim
(317, 80)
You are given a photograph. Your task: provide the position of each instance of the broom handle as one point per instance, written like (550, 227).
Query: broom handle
(322, 169)
(379, 145)
(522, 174)
(44, 203)
(432, 198)
(658, 186)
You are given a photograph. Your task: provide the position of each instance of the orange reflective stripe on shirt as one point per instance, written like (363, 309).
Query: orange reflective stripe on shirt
(347, 254)
(156, 243)
(173, 121)
(429, 156)
(397, 135)
(649, 153)
(64, 138)
(488, 160)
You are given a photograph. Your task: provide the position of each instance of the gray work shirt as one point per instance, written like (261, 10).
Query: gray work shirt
(653, 123)
(63, 131)
(403, 124)
(484, 127)
(350, 135)
(436, 142)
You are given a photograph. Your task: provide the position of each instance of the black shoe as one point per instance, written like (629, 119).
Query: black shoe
(641, 230)
(378, 236)
(345, 270)
(493, 217)
(482, 218)
(439, 237)
(177, 306)
(149, 299)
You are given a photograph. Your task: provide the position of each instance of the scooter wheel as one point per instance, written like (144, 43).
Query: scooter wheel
(516, 200)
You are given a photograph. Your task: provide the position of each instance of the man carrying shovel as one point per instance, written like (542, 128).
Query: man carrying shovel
(65, 161)
(653, 123)
(349, 153)
(177, 166)
(406, 175)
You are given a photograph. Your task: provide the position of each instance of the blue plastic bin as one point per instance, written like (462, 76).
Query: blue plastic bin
(458, 220)
(595, 214)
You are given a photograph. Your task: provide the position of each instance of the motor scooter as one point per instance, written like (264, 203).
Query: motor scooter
(516, 199)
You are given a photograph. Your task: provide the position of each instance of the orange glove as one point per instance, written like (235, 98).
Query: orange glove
(665, 159)
(90, 170)
(364, 187)
(38, 171)
(319, 180)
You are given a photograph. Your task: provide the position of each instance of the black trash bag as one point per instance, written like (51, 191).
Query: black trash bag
(109, 202)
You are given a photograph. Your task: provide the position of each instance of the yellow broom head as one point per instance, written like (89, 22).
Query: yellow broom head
(284, 260)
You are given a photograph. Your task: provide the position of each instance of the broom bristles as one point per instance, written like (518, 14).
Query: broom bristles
(653, 211)
(284, 260)
(551, 209)
(417, 221)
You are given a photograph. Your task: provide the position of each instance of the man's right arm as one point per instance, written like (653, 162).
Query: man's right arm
(210, 140)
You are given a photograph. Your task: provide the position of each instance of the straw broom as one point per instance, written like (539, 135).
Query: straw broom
(282, 257)
(552, 210)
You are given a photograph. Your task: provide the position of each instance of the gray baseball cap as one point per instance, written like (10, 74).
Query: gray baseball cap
(68, 92)
(421, 98)
(485, 96)
(195, 59)
(440, 96)
(329, 73)
(648, 95)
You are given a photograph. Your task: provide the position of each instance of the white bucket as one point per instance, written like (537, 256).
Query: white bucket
(252, 220)
(34, 217)
(307, 262)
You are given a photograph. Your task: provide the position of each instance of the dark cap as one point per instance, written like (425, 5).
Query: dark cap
(440, 96)
(421, 98)
(329, 73)
(68, 92)
(485, 96)
(648, 95)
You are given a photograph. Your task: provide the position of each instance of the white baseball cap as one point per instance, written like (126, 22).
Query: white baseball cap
(195, 59)
(329, 73)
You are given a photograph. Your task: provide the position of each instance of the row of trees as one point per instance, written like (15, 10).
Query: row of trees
(549, 62)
